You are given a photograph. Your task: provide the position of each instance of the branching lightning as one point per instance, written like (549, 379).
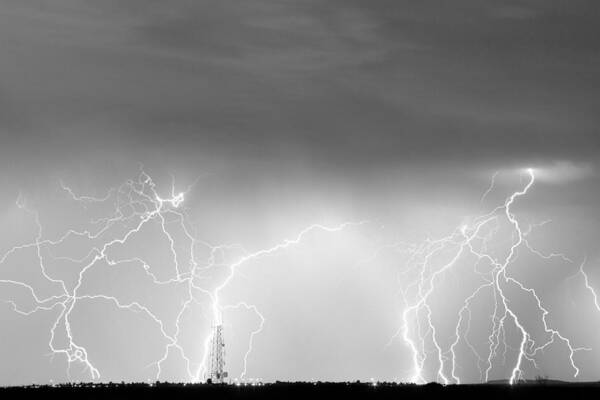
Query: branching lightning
(138, 203)
(589, 287)
(420, 334)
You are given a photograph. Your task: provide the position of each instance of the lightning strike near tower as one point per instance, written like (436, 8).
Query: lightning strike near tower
(136, 204)
(488, 247)
(389, 196)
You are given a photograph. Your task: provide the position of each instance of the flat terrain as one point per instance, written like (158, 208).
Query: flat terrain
(283, 390)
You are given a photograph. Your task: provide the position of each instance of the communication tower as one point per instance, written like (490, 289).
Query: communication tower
(216, 372)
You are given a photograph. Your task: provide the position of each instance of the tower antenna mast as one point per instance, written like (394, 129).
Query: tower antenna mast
(216, 372)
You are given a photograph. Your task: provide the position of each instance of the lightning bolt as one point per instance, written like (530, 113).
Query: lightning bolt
(421, 277)
(588, 286)
(252, 334)
(490, 188)
(138, 203)
(217, 307)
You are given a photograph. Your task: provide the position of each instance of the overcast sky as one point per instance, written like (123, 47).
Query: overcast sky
(288, 113)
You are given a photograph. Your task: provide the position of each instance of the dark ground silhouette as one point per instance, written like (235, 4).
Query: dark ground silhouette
(306, 390)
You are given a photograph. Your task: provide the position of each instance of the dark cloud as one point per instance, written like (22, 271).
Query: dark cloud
(339, 82)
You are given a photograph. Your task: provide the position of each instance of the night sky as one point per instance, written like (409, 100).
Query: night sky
(275, 115)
